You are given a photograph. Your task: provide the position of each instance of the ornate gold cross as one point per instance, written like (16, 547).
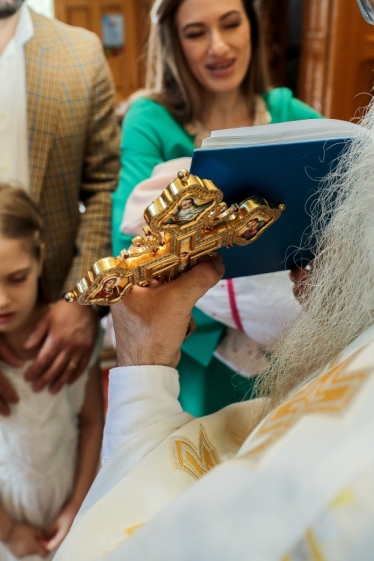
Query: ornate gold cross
(188, 220)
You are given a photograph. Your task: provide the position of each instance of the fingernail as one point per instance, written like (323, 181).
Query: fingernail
(218, 264)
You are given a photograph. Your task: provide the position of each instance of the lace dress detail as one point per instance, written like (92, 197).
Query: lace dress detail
(38, 452)
(199, 132)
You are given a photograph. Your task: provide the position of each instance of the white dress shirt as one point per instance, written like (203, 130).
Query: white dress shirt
(14, 164)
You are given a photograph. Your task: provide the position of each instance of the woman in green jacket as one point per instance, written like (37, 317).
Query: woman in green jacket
(206, 71)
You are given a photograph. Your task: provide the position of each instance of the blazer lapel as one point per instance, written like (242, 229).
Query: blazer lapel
(43, 82)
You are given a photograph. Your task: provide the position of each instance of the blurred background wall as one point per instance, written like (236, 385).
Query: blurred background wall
(321, 49)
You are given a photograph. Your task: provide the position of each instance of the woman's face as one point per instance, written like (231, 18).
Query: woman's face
(215, 36)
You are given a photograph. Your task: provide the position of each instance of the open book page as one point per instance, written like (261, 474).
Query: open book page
(280, 133)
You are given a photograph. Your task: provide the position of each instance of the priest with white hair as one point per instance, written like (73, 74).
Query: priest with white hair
(288, 476)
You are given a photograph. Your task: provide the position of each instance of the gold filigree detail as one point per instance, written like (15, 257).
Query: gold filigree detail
(329, 393)
(187, 221)
(195, 461)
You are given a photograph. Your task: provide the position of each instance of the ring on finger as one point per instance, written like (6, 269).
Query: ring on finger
(72, 365)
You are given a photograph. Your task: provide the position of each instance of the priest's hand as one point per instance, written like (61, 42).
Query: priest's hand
(150, 324)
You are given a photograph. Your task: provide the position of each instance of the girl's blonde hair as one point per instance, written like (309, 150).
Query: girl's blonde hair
(21, 220)
(170, 82)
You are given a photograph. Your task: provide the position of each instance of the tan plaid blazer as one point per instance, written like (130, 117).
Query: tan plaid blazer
(73, 147)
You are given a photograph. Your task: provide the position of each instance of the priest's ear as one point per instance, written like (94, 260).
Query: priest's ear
(300, 277)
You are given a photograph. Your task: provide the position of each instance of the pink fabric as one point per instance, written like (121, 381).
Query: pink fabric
(147, 191)
(233, 305)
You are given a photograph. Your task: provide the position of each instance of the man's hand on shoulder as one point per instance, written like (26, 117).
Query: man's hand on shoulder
(151, 323)
(67, 335)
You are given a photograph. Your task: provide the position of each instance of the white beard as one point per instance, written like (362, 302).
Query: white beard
(339, 302)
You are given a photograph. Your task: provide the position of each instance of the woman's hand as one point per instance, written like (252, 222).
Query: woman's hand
(26, 540)
(60, 527)
(150, 324)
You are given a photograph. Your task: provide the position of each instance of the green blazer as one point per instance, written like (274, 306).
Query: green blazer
(150, 135)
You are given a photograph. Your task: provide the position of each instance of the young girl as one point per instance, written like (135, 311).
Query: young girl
(49, 444)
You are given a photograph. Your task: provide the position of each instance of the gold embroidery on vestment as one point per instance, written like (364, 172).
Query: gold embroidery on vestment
(329, 393)
(307, 548)
(315, 549)
(345, 498)
(132, 529)
(195, 461)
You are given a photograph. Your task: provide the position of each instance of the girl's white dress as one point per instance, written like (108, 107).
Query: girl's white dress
(38, 452)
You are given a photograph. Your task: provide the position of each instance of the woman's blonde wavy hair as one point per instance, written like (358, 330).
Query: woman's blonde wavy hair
(170, 82)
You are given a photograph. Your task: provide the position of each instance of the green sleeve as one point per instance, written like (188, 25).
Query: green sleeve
(149, 136)
(283, 107)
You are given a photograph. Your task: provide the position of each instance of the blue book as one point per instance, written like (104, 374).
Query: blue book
(283, 163)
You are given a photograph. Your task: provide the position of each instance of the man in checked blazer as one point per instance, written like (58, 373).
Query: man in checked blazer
(59, 140)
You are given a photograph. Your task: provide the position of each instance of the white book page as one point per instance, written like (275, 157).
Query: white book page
(292, 131)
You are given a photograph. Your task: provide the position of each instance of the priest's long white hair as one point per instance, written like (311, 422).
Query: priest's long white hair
(339, 298)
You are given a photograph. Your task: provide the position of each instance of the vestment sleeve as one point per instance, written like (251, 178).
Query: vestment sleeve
(99, 172)
(139, 398)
